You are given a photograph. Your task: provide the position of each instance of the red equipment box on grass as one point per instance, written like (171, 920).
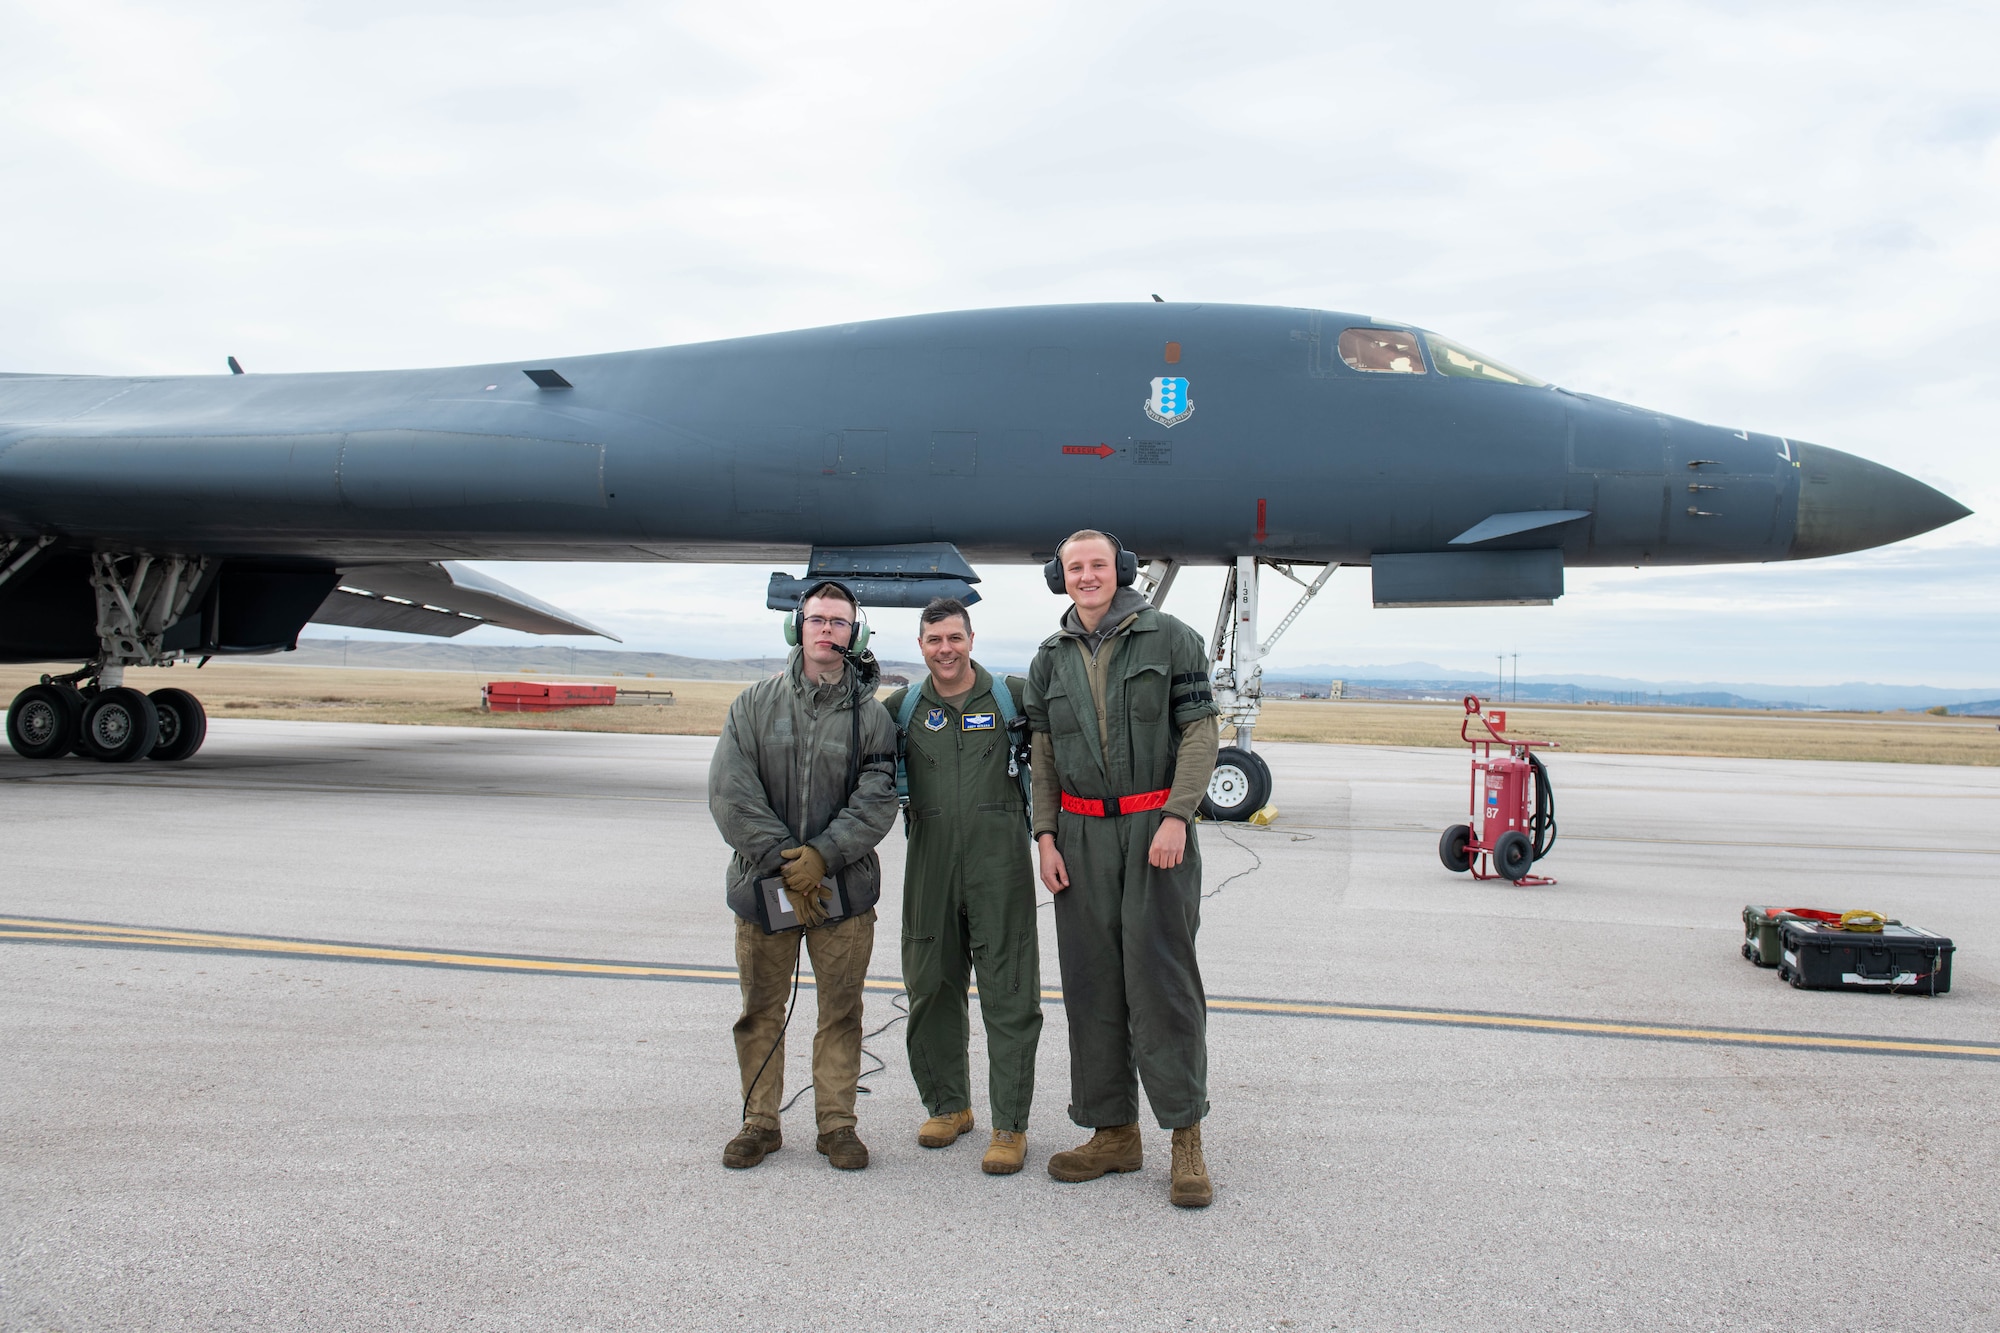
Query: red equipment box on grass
(543, 696)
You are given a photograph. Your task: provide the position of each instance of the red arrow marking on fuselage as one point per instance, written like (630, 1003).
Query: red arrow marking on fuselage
(1100, 450)
(1260, 520)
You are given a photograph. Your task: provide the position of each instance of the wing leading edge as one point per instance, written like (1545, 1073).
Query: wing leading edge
(442, 599)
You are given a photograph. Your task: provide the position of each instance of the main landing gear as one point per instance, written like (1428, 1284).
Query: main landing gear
(117, 725)
(1241, 784)
(91, 711)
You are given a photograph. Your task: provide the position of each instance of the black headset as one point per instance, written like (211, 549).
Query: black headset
(795, 623)
(1128, 566)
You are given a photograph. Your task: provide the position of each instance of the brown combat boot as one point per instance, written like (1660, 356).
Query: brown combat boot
(1191, 1187)
(1004, 1155)
(752, 1144)
(941, 1131)
(1112, 1148)
(843, 1148)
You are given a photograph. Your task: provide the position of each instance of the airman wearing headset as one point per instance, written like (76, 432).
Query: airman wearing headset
(1124, 743)
(802, 787)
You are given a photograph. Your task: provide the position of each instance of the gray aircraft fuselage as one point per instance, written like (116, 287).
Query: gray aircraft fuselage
(996, 430)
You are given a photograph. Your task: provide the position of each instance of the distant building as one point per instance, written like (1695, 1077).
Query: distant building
(1337, 690)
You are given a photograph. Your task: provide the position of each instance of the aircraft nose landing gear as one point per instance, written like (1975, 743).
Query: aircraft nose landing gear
(1241, 784)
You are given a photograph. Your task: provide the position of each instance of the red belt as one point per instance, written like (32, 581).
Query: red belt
(1115, 805)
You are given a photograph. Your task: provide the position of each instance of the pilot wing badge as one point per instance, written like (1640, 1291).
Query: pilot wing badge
(1170, 404)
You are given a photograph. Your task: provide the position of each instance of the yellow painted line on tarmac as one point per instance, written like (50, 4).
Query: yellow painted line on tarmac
(32, 930)
(1595, 1028)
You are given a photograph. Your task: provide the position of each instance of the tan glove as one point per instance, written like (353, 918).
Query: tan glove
(802, 871)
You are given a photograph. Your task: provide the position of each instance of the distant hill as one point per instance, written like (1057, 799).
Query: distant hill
(1405, 680)
(397, 655)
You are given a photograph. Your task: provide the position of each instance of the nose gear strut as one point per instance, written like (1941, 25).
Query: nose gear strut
(1241, 784)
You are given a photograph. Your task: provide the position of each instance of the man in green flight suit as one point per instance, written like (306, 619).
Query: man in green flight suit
(968, 891)
(1124, 743)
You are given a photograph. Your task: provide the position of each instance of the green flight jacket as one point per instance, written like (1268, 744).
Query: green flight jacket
(781, 778)
(1155, 683)
(959, 786)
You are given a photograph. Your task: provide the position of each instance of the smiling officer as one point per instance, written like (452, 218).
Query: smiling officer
(968, 891)
(1124, 743)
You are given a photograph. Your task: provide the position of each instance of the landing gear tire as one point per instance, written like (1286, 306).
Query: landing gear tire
(120, 726)
(1513, 855)
(1239, 787)
(183, 725)
(44, 721)
(1451, 848)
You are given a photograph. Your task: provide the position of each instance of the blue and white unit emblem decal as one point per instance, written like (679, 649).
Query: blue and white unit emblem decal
(935, 719)
(1170, 404)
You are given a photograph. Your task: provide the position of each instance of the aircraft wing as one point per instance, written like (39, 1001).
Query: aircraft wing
(442, 599)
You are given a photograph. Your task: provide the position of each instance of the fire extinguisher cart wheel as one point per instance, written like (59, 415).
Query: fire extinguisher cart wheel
(1513, 805)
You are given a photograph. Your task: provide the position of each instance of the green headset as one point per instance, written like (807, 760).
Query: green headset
(795, 623)
(1127, 564)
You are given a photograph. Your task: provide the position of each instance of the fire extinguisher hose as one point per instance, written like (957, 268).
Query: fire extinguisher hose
(1542, 824)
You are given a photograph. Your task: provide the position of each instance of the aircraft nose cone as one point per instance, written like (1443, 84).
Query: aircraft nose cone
(1850, 504)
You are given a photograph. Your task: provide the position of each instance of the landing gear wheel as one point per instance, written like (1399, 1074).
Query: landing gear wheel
(120, 725)
(1451, 848)
(44, 720)
(1239, 787)
(183, 724)
(1513, 855)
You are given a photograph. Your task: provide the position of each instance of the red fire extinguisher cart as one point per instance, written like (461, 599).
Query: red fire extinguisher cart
(1513, 805)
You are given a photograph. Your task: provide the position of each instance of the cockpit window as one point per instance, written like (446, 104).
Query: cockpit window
(1453, 359)
(1389, 351)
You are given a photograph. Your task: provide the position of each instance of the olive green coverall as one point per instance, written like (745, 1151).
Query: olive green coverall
(785, 774)
(969, 903)
(1115, 713)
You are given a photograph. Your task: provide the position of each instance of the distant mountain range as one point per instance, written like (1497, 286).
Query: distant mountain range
(1401, 680)
(1404, 679)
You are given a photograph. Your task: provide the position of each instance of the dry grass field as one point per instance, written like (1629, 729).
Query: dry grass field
(423, 698)
(450, 698)
(1896, 738)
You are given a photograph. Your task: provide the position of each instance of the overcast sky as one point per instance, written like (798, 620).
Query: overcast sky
(1781, 217)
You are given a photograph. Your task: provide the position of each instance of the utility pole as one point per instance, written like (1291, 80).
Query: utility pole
(1500, 675)
(1517, 678)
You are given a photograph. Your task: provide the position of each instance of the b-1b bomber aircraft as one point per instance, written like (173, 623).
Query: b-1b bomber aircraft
(150, 519)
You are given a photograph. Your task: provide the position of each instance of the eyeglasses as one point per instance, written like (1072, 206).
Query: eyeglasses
(828, 622)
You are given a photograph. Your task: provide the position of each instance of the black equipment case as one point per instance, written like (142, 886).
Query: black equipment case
(1761, 944)
(1903, 959)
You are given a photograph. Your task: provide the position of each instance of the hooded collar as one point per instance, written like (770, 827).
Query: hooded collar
(1126, 604)
(820, 692)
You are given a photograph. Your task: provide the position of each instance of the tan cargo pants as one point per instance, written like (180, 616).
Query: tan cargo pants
(764, 964)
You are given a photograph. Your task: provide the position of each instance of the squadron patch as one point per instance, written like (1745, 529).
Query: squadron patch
(1170, 404)
(935, 719)
(977, 722)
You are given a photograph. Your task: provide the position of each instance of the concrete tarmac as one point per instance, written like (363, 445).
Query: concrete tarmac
(261, 1136)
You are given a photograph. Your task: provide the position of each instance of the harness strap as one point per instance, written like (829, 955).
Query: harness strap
(1116, 805)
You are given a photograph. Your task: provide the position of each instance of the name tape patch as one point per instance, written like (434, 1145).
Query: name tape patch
(978, 722)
